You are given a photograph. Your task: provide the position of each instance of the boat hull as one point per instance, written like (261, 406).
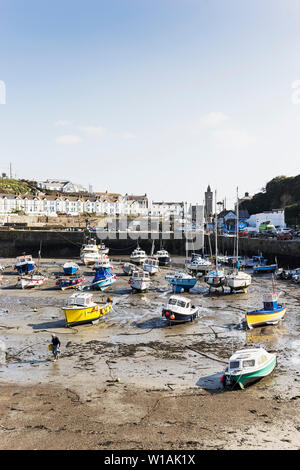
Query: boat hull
(164, 260)
(264, 269)
(175, 317)
(179, 284)
(77, 316)
(70, 283)
(262, 317)
(70, 271)
(247, 378)
(103, 284)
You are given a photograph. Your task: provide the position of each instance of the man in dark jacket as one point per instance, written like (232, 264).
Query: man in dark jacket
(55, 346)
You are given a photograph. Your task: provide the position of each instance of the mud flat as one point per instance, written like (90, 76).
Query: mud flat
(133, 382)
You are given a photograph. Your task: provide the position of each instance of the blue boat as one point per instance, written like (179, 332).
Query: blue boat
(103, 279)
(69, 282)
(181, 281)
(70, 268)
(266, 268)
(24, 264)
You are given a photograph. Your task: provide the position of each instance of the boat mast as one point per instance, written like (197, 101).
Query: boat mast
(237, 229)
(216, 233)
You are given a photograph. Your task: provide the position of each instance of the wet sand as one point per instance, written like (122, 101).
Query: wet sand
(169, 394)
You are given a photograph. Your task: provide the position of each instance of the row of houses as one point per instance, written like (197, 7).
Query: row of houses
(99, 204)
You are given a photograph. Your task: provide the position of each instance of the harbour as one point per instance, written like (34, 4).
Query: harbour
(123, 370)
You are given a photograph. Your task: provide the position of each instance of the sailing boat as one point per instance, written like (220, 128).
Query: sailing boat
(216, 278)
(34, 279)
(238, 280)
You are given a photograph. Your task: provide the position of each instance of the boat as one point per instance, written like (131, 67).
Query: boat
(70, 282)
(103, 264)
(24, 264)
(89, 254)
(246, 366)
(286, 274)
(270, 314)
(81, 308)
(31, 280)
(181, 281)
(70, 267)
(198, 265)
(139, 281)
(295, 277)
(128, 268)
(163, 257)
(103, 279)
(216, 277)
(151, 265)
(264, 268)
(238, 280)
(179, 309)
(138, 256)
(103, 250)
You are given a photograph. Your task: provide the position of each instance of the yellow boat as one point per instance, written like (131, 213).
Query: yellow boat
(81, 308)
(270, 314)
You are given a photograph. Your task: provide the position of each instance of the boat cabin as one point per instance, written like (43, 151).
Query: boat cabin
(249, 358)
(80, 300)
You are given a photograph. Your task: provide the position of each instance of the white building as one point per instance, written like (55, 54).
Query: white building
(274, 217)
(165, 209)
(63, 186)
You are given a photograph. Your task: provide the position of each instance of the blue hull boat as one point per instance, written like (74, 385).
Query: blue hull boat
(181, 281)
(70, 268)
(271, 268)
(103, 279)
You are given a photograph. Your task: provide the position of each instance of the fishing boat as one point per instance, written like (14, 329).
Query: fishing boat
(139, 281)
(295, 277)
(81, 308)
(89, 254)
(24, 264)
(103, 250)
(179, 310)
(238, 280)
(103, 279)
(181, 281)
(128, 268)
(70, 282)
(70, 267)
(270, 314)
(31, 280)
(264, 268)
(216, 277)
(199, 265)
(246, 366)
(151, 265)
(163, 257)
(138, 256)
(103, 264)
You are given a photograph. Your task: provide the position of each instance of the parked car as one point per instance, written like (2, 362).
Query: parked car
(285, 235)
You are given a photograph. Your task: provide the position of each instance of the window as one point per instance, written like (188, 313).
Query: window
(234, 364)
(249, 363)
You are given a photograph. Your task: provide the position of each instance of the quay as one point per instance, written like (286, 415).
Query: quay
(66, 244)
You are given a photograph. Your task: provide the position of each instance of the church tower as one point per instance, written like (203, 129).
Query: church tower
(208, 202)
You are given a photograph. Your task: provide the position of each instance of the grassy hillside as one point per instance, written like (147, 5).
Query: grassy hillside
(13, 186)
(281, 192)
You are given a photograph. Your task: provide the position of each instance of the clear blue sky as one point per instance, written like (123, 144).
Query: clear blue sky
(155, 96)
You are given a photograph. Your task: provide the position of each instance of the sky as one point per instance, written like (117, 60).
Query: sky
(151, 96)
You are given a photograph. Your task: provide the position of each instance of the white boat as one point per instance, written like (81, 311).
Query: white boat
(138, 256)
(151, 265)
(128, 268)
(33, 280)
(104, 250)
(247, 366)
(103, 264)
(163, 257)
(25, 264)
(179, 309)
(89, 254)
(199, 265)
(238, 280)
(139, 281)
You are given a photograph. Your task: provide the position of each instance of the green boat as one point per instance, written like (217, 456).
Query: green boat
(247, 366)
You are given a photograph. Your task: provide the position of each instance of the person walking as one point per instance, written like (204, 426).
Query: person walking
(55, 346)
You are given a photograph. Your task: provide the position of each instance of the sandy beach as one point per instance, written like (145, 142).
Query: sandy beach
(132, 381)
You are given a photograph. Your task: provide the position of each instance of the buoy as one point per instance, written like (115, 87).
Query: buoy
(117, 379)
